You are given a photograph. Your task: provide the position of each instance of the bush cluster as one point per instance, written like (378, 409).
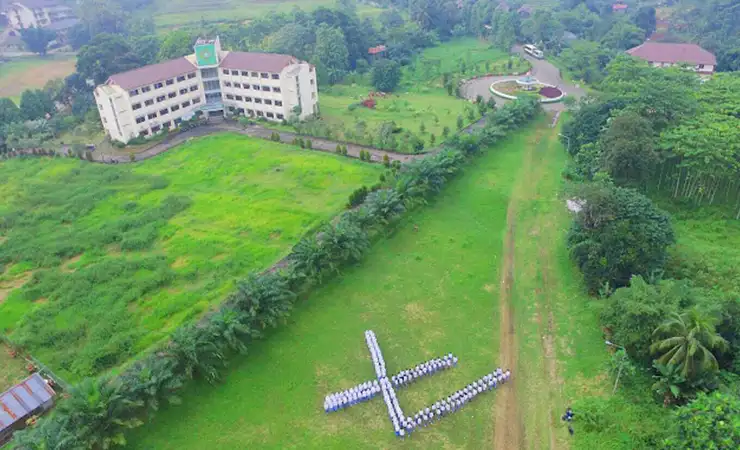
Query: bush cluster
(99, 411)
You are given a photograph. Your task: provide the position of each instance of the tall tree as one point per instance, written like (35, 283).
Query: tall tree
(645, 19)
(37, 39)
(175, 45)
(544, 29)
(711, 421)
(106, 55)
(36, 104)
(330, 53)
(628, 148)
(623, 36)
(9, 112)
(386, 75)
(292, 39)
(688, 340)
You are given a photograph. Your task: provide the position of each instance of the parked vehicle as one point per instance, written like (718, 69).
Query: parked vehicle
(533, 51)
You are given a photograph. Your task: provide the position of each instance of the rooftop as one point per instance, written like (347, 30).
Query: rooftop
(375, 50)
(32, 4)
(261, 62)
(664, 52)
(23, 398)
(151, 74)
(619, 7)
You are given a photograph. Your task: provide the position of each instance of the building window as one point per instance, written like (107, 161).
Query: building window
(191, 75)
(246, 86)
(151, 116)
(278, 103)
(226, 71)
(264, 75)
(256, 87)
(196, 101)
(172, 95)
(240, 111)
(237, 85)
(156, 129)
(149, 102)
(144, 133)
(100, 107)
(260, 114)
(133, 93)
(313, 95)
(276, 89)
(161, 98)
(247, 99)
(229, 97)
(266, 88)
(275, 76)
(311, 80)
(177, 122)
(254, 74)
(250, 112)
(146, 89)
(183, 91)
(701, 66)
(166, 125)
(140, 119)
(174, 108)
(258, 100)
(164, 112)
(268, 102)
(136, 106)
(185, 104)
(170, 82)
(227, 84)
(158, 85)
(271, 115)
(238, 98)
(193, 88)
(245, 73)
(280, 116)
(181, 78)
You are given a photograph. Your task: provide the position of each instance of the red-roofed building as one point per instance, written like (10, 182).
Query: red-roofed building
(378, 49)
(619, 7)
(663, 54)
(150, 99)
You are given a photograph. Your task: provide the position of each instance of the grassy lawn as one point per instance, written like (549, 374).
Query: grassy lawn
(32, 72)
(181, 12)
(421, 97)
(112, 258)
(424, 292)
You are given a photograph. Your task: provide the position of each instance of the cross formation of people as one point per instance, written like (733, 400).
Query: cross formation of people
(404, 425)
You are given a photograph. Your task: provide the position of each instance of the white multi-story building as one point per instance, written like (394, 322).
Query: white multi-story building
(144, 101)
(38, 14)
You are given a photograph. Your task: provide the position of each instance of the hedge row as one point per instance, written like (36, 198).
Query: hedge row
(99, 411)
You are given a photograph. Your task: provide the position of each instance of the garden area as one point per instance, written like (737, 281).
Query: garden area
(105, 261)
(422, 111)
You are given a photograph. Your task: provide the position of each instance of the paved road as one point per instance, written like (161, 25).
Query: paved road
(541, 69)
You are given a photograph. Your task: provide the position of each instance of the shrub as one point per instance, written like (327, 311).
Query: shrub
(338, 151)
(386, 160)
(309, 144)
(357, 197)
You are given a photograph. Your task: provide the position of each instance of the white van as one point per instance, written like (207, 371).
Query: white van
(533, 51)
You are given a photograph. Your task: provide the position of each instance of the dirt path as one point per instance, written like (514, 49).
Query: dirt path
(525, 413)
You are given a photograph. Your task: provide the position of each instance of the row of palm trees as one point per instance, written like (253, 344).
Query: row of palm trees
(99, 411)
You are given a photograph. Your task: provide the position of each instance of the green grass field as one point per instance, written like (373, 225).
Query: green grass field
(182, 12)
(420, 98)
(113, 258)
(31, 73)
(12, 370)
(425, 293)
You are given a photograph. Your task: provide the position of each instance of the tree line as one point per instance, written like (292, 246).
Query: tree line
(664, 133)
(99, 411)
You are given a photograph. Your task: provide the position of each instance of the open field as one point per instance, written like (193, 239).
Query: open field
(446, 287)
(182, 12)
(112, 258)
(421, 97)
(12, 370)
(31, 73)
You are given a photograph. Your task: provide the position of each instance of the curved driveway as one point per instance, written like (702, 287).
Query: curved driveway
(541, 69)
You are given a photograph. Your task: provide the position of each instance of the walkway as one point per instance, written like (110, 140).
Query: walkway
(541, 69)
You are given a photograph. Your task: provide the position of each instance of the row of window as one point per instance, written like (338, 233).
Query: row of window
(244, 73)
(161, 84)
(266, 101)
(165, 111)
(253, 113)
(162, 98)
(158, 128)
(256, 87)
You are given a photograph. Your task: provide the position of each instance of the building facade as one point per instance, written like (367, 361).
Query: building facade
(664, 54)
(144, 101)
(38, 14)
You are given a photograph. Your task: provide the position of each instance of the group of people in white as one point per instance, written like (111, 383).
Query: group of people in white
(404, 425)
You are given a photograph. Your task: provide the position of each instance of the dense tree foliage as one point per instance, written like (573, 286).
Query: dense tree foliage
(386, 75)
(37, 39)
(617, 234)
(105, 55)
(710, 422)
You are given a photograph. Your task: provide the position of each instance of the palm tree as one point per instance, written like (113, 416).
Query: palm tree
(265, 298)
(687, 340)
(151, 381)
(99, 413)
(229, 325)
(196, 351)
(668, 384)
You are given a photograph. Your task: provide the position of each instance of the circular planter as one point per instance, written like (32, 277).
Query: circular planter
(529, 82)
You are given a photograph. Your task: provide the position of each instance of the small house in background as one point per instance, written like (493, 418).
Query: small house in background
(619, 7)
(377, 52)
(31, 397)
(664, 54)
(524, 11)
